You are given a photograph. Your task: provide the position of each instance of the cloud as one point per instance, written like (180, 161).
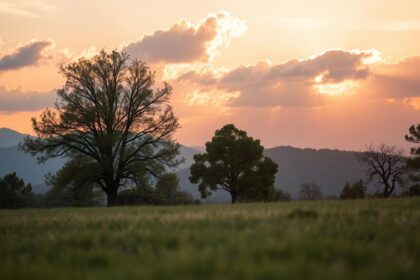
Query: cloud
(399, 80)
(294, 83)
(18, 100)
(185, 42)
(27, 54)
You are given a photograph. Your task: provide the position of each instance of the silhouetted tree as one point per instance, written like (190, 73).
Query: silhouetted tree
(232, 160)
(13, 192)
(165, 192)
(310, 191)
(74, 184)
(355, 191)
(413, 162)
(385, 164)
(413, 190)
(110, 112)
(258, 183)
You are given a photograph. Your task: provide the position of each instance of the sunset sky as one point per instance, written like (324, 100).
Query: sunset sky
(321, 74)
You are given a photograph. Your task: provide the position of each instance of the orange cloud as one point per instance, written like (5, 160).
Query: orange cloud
(185, 42)
(294, 83)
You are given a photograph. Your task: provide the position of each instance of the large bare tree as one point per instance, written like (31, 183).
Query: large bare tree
(110, 113)
(385, 164)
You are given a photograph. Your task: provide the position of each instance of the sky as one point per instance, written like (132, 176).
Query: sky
(321, 74)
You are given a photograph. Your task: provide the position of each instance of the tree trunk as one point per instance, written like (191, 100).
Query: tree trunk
(112, 197)
(234, 197)
(387, 191)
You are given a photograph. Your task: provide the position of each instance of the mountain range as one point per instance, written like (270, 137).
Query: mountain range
(330, 169)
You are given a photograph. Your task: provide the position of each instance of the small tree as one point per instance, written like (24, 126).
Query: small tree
(13, 192)
(110, 112)
(232, 162)
(310, 191)
(355, 191)
(385, 164)
(74, 184)
(413, 162)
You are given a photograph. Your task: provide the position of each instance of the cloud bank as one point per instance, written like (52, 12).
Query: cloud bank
(294, 83)
(17, 100)
(28, 54)
(185, 42)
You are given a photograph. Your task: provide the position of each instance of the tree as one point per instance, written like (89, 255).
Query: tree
(385, 164)
(310, 191)
(74, 184)
(258, 183)
(233, 162)
(13, 192)
(413, 162)
(167, 188)
(355, 191)
(165, 192)
(110, 112)
(168, 191)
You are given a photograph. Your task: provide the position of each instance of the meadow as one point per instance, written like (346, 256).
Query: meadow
(360, 239)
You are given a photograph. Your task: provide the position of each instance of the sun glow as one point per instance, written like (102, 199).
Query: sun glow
(339, 89)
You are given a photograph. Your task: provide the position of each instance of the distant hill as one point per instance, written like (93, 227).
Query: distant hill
(330, 169)
(10, 138)
(27, 167)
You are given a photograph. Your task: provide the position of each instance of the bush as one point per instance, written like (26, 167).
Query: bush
(357, 190)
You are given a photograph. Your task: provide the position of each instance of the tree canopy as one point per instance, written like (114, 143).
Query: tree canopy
(111, 113)
(413, 162)
(355, 191)
(233, 162)
(13, 192)
(385, 164)
(310, 191)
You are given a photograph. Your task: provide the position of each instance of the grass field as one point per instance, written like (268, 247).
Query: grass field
(363, 239)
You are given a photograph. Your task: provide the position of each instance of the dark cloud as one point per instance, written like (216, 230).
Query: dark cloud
(185, 42)
(17, 100)
(26, 55)
(288, 84)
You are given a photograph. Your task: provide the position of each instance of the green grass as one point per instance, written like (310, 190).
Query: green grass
(363, 239)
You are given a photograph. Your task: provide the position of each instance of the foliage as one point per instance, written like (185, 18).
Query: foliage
(355, 191)
(234, 162)
(13, 192)
(310, 191)
(385, 164)
(110, 112)
(165, 192)
(413, 190)
(74, 184)
(352, 239)
(413, 162)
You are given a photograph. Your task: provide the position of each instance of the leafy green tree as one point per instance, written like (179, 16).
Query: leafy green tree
(233, 162)
(386, 165)
(110, 112)
(310, 191)
(13, 192)
(355, 191)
